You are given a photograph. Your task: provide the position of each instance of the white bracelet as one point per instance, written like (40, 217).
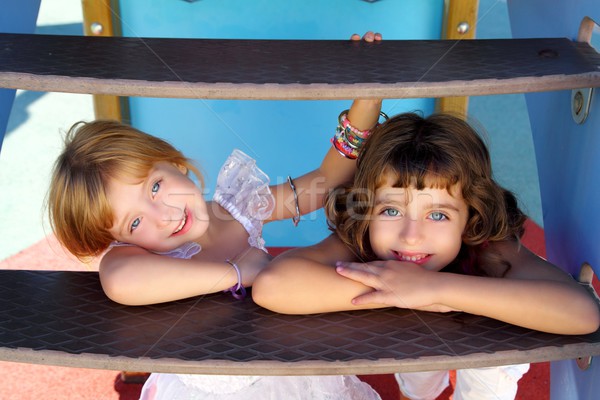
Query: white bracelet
(238, 290)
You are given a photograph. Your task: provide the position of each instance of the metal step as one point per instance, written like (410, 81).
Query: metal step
(64, 318)
(293, 69)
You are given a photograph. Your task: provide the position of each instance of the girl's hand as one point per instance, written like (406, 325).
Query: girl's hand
(368, 37)
(251, 262)
(395, 283)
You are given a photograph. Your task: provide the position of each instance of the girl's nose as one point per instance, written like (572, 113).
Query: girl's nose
(165, 214)
(411, 231)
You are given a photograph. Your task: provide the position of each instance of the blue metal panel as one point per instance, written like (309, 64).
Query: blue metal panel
(286, 138)
(568, 159)
(17, 16)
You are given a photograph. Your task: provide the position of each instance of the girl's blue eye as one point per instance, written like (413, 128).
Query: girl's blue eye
(135, 224)
(437, 216)
(155, 187)
(391, 212)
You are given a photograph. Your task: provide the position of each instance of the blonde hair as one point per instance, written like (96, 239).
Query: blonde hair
(94, 153)
(439, 151)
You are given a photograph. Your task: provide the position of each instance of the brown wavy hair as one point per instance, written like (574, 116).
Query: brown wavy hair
(94, 153)
(438, 151)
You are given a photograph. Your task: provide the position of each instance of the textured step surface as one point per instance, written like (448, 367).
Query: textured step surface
(293, 69)
(64, 318)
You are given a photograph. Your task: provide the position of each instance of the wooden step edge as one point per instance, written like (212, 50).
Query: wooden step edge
(293, 69)
(306, 367)
(248, 91)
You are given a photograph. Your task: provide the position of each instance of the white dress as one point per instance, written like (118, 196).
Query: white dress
(243, 190)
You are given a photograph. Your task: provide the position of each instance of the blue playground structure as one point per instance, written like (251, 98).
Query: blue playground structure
(565, 124)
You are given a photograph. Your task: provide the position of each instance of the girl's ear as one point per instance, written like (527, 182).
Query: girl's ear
(182, 168)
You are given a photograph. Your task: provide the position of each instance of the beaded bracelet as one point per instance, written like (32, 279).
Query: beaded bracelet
(344, 122)
(347, 139)
(238, 291)
(342, 146)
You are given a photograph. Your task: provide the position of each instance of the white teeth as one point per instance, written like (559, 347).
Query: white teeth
(182, 224)
(411, 258)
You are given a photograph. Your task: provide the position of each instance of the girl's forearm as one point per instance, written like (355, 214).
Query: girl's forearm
(304, 281)
(544, 305)
(364, 113)
(335, 170)
(151, 279)
(301, 286)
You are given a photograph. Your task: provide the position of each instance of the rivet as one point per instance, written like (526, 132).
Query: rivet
(584, 363)
(96, 28)
(580, 104)
(577, 102)
(462, 27)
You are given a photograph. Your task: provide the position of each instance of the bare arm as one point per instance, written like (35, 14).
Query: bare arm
(133, 276)
(335, 170)
(534, 294)
(304, 281)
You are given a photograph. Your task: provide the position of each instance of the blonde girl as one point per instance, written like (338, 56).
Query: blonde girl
(127, 196)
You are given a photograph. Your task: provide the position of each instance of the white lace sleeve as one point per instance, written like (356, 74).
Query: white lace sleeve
(243, 190)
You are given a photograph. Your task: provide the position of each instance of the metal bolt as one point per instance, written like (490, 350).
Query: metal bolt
(577, 103)
(584, 362)
(580, 104)
(463, 27)
(96, 28)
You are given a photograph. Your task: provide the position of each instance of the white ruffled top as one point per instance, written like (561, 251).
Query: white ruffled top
(243, 190)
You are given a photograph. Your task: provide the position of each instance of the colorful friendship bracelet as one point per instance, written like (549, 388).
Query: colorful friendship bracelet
(238, 291)
(344, 122)
(347, 139)
(342, 146)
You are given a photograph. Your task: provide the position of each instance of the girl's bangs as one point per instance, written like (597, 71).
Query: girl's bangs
(419, 176)
(130, 169)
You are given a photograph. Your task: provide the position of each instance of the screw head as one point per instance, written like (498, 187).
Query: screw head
(578, 102)
(463, 27)
(96, 28)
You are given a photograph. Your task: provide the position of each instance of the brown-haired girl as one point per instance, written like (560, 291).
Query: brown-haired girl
(424, 226)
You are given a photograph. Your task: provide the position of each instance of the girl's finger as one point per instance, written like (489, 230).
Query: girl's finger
(366, 277)
(367, 298)
(367, 267)
(369, 36)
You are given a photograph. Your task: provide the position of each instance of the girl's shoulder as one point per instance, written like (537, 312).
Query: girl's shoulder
(524, 264)
(328, 251)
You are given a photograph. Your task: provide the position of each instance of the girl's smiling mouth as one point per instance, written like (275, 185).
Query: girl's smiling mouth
(184, 225)
(417, 258)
